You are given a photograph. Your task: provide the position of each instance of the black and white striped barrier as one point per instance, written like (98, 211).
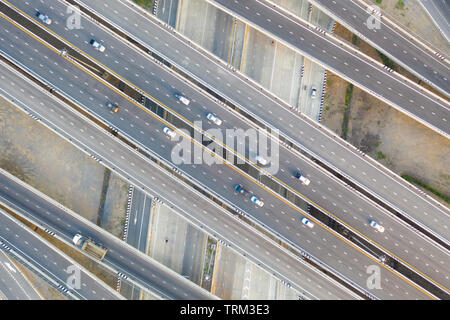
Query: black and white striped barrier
(388, 69)
(118, 285)
(4, 246)
(238, 211)
(302, 71)
(50, 232)
(319, 117)
(440, 56)
(113, 129)
(62, 288)
(223, 243)
(176, 170)
(34, 117)
(120, 274)
(320, 30)
(127, 215)
(95, 158)
(333, 27)
(287, 284)
(375, 12)
(155, 7)
(158, 200)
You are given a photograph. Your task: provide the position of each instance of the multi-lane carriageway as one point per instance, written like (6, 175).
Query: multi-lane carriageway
(142, 172)
(351, 201)
(344, 60)
(138, 267)
(49, 262)
(299, 130)
(394, 41)
(83, 99)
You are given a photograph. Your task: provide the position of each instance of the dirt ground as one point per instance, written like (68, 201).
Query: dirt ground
(414, 18)
(46, 291)
(114, 211)
(398, 142)
(44, 160)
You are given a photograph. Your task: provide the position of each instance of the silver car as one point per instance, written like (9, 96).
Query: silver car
(214, 119)
(97, 45)
(45, 19)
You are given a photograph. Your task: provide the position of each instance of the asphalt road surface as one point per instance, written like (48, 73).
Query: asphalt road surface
(201, 211)
(340, 201)
(120, 256)
(278, 214)
(439, 12)
(139, 220)
(13, 284)
(345, 61)
(49, 259)
(140, 130)
(300, 130)
(393, 41)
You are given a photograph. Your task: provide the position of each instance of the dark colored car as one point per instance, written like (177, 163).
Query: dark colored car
(239, 188)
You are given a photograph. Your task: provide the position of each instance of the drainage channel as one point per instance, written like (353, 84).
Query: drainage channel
(273, 185)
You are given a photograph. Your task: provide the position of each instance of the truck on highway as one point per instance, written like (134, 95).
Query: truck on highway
(91, 247)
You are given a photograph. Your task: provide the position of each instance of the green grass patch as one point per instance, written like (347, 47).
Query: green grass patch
(147, 4)
(400, 4)
(386, 61)
(348, 94)
(380, 155)
(413, 180)
(379, 1)
(355, 40)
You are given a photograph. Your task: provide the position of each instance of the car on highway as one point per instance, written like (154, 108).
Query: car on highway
(97, 45)
(302, 178)
(261, 160)
(214, 119)
(307, 223)
(240, 189)
(257, 201)
(183, 99)
(44, 18)
(376, 226)
(313, 92)
(169, 132)
(113, 107)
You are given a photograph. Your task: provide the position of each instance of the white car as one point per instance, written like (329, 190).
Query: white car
(45, 19)
(302, 178)
(257, 201)
(376, 226)
(313, 92)
(214, 119)
(169, 132)
(261, 160)
(97, 45)
(307, 223)
(182, 99)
